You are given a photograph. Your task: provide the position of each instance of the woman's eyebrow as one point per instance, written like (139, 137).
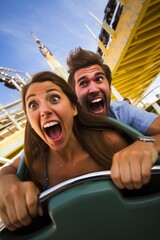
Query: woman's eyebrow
(48, 91)
(31, 95)
(53, 90)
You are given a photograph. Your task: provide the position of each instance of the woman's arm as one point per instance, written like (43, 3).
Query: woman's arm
(11, 168)
(18, 200)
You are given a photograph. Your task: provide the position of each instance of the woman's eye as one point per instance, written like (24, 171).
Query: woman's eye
(32, 105)
(54, 98)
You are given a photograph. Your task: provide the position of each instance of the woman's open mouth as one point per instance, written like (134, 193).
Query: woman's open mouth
(53, 130)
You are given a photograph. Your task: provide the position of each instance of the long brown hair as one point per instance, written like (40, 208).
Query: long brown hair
(86, 127)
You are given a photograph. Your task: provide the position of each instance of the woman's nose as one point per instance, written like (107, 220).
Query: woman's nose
(45, 110)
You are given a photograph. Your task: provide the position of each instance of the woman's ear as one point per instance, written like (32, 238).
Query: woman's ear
(75, 112)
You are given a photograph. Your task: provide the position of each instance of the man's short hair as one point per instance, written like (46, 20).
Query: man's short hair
(80, 58)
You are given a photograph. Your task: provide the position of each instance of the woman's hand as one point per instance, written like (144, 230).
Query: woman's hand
(131, 167)
(18, 202)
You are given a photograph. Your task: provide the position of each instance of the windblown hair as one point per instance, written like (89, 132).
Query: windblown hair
(80, 58)
(86, 127)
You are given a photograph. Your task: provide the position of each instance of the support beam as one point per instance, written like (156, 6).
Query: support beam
(100, 44)
(117, 95)
(156, 107)
(104, 25)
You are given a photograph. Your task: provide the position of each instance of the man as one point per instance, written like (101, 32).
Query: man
(91, 81)
(127, 100)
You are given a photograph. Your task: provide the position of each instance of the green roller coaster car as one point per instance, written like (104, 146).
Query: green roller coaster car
(90, 207)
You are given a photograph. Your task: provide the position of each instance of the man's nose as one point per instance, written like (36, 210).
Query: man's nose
(93, 88)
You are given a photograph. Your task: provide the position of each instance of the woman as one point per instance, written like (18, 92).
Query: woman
(61, 141)
(60, 135)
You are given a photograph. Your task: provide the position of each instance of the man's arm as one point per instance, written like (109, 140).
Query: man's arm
(154, 130)
(140, 157)
(131, 167)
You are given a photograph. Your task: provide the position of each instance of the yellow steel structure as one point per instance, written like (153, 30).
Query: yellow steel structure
(134, 52)
(133, 56)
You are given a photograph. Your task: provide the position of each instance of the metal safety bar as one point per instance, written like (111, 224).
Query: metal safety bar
(101, 175)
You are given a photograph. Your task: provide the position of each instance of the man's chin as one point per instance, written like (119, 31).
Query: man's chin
(98, 112)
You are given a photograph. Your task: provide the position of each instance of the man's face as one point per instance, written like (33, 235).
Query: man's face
(92, 89)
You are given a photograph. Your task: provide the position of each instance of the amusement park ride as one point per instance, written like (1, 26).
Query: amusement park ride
(90, 206)
(129, 42)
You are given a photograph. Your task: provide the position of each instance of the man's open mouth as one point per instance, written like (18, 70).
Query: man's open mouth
(97, 105)
(53, 129)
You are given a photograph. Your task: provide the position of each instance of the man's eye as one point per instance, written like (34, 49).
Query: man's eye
(54, 98)
(99, 79)
(83, 84)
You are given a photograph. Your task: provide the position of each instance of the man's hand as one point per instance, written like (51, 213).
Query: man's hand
(18, 202)
(131, 167)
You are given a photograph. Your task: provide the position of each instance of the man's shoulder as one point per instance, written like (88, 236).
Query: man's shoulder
(131, 115)
(116, 105)
(122, 111)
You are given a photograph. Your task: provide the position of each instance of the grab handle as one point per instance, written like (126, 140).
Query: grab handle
(75, 181)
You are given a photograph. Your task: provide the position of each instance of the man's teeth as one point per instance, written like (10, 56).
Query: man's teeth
(97, 100)
(50, 124)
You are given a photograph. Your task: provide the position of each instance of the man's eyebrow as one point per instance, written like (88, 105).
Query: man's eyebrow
(95, 75)
(81, 78)
(99, 73)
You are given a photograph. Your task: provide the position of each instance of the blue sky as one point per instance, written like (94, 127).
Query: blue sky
(59, 24)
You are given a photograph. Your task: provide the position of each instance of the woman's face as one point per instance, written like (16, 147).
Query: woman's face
(50, 113)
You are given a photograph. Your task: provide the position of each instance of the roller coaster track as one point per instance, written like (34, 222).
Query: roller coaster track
(134, 51)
